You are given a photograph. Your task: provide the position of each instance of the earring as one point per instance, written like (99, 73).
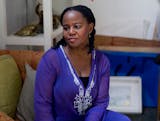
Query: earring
(89, 35)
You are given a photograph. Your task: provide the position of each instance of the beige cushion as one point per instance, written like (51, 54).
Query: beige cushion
(25, 108)
(10, 85)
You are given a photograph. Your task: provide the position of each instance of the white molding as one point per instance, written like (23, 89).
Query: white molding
(29, 40)
(48, 23)
(3, 24)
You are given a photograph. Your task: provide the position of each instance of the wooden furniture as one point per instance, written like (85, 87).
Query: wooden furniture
(22, 57)
(125, 44)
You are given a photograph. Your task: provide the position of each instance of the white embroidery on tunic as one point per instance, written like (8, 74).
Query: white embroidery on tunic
(83, 100)
(82, 103)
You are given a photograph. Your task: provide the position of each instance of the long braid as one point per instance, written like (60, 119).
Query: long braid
(91, 40)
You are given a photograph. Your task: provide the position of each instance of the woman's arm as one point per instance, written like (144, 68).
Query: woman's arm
(97, 111)
(43, 98)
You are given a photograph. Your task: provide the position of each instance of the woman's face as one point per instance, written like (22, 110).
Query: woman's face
(76, 29)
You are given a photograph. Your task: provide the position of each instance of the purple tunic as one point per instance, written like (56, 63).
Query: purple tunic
(55, 89)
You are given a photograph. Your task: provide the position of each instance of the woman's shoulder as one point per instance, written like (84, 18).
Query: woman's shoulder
(101, 56)
(50, 53)
(102, 60)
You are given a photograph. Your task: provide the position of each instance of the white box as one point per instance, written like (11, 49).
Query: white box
(125, 94)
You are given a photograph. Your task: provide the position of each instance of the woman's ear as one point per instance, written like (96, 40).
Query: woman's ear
(91, 26)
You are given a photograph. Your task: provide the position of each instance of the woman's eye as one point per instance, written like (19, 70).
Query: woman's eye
(77, 26)
(65, 28)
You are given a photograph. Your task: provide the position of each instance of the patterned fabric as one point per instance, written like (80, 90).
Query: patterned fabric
(83, 100)
(55, 89)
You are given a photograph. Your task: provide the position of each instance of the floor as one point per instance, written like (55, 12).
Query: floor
(149, 114)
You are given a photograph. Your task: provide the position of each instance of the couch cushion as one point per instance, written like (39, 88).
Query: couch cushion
(5, 117)
(25, 56)
(10, 85)
(25, 108)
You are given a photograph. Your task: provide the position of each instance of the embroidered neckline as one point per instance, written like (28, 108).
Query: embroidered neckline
(83, 100)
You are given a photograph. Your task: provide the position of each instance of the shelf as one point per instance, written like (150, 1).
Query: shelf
(155, 50)
(124, 44)
(37, 40)
(29, 40)
(45, 39)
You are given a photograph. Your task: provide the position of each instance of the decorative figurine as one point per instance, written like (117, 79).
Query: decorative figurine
(34, 29)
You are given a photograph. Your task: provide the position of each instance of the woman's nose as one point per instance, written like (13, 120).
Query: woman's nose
(71, 31)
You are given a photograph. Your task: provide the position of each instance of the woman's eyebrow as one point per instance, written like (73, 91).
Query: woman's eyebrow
(79, 23)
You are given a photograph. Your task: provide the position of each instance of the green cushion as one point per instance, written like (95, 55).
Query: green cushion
(10, 85)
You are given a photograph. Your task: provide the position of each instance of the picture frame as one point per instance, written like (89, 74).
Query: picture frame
(125, 94)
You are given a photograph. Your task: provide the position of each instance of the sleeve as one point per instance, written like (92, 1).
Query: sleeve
(43, 96)
(97, 111)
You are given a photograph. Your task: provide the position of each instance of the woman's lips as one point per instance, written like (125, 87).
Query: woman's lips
(72, 39)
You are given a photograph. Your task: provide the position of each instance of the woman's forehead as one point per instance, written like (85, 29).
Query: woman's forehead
(73, 15)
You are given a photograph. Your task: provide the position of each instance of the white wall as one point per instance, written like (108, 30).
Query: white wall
(60, 5)
(19, 14)
(131, 18)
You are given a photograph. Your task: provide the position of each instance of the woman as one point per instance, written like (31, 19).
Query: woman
(72, 81)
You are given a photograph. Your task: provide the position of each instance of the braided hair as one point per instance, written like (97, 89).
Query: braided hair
(87, 13)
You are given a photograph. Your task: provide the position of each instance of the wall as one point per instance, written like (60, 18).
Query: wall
(134, 18)
(19, 14)
(131, 18)
(59, 5)
(1, 40)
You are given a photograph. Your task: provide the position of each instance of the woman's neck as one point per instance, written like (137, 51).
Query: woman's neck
(80, 60)
(77, 51)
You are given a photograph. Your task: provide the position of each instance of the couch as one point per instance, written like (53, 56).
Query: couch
(21, 58)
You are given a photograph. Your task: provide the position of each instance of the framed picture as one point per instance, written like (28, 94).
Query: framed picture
(125, 94)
